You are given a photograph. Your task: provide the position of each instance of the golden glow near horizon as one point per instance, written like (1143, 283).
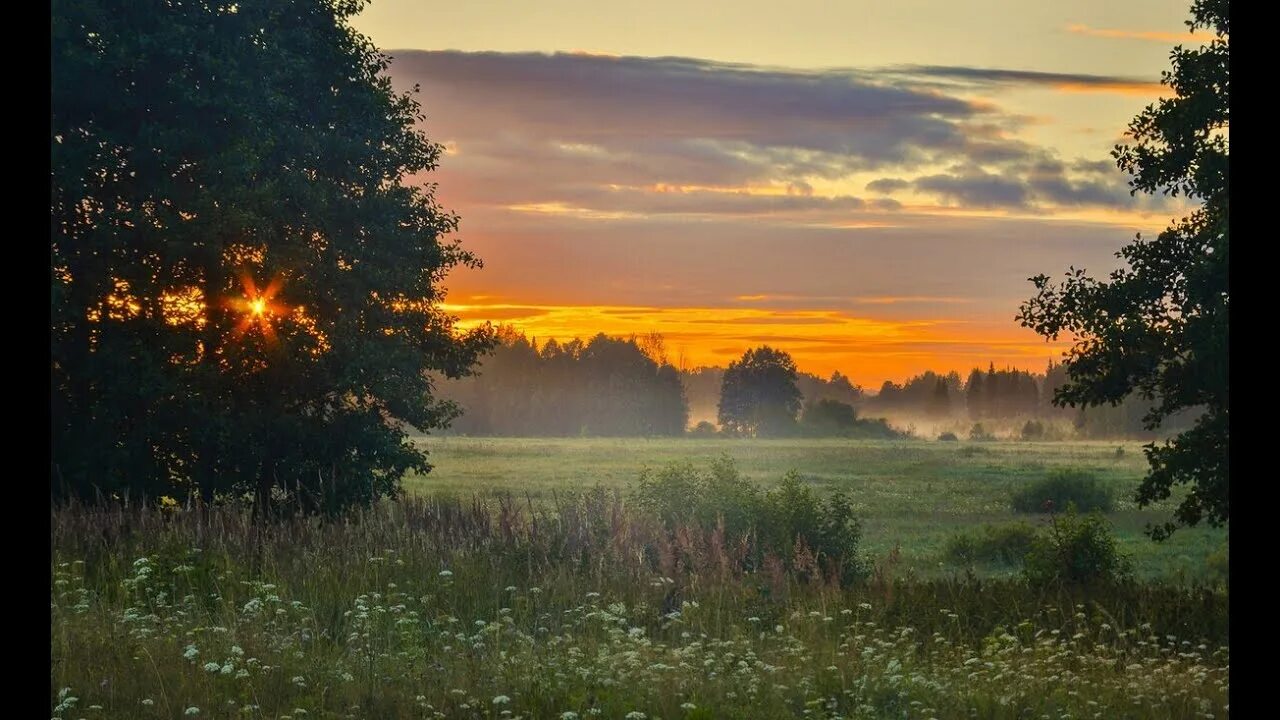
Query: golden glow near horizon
(865, 185)
(822, 341)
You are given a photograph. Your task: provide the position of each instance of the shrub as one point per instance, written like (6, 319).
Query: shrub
(980, 434)
(703, 429)
(948, 437)
(1219, 564)
(1033, 430)
(1077, 550)
(828, 418)
(680, 496)
(790, 522)
(879, 429)
(1060, 488)
(1005, 544)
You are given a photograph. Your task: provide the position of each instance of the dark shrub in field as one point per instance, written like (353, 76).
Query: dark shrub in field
(1033, 430)
(1053, 493)
(1005, 544)
(1076, 549)
(978, 433)
(809, 536)
(703, 429)
(948, 437)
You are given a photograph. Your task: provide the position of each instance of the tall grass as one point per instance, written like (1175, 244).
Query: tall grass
(443, 608)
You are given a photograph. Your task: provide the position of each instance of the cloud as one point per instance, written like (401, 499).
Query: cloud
(976, 188)
(608, 193)
(1066, 82)
(1197, 37)
(888, 185)
(606, 138)
(597, 100)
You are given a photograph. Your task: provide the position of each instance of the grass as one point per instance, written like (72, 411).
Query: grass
(519, 580)
(448, 609)
(911, 495)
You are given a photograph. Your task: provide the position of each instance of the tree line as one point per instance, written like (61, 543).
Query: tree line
(603, 386)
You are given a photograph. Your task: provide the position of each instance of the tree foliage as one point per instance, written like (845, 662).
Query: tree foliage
(1159, 326)
(605, 386)
(245, 286)
(758, 395)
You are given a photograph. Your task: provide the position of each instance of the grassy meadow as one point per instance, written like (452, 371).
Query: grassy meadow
(517, 580)
(910, 494)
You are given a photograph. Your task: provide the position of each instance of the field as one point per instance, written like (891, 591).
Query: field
(910, 494)
(503, 587)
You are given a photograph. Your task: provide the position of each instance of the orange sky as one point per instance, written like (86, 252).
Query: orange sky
(871, 203)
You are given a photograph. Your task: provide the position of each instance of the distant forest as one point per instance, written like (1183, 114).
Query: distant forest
(622, 387)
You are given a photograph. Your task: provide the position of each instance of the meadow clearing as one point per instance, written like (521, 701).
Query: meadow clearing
(912, 494)
(506, 585)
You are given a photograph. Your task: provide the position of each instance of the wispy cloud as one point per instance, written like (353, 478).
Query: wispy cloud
(1064, 82)
(1186, 37)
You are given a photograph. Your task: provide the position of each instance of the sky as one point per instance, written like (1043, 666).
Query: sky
(866, 185)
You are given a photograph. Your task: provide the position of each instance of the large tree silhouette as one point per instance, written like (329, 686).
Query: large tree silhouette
(1159, 327)
(244, 285)
(758, 395)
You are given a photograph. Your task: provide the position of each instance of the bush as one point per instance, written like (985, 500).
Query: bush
(980, 434)
(1076, 550)
(1033, 430)
(879, 429)
(703, 429)
(790, 522)
(816, 537)
(948, 437)
(1006, 544)
(1060, 488)
(1219, 564)
(828, 418)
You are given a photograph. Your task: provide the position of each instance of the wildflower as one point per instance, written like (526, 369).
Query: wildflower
(446, 573)
(191, 711)
(501, 699)
(634, 715)
(190, 653)
(688, 706)
(212, 667)
(568, 715)
(148, 702)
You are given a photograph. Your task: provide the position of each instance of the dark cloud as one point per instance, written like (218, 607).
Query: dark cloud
(1038, 183)
(608, 137)
(976, 189)
(888, 185)
(588, 98)
(999, 76)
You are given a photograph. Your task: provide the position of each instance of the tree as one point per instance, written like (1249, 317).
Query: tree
(758, 395)
(245, 285)
(940, 401)
(976, 394)
(1159, 326)
(829, 418)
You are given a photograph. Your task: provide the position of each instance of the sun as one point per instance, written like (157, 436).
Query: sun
(259, 308)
